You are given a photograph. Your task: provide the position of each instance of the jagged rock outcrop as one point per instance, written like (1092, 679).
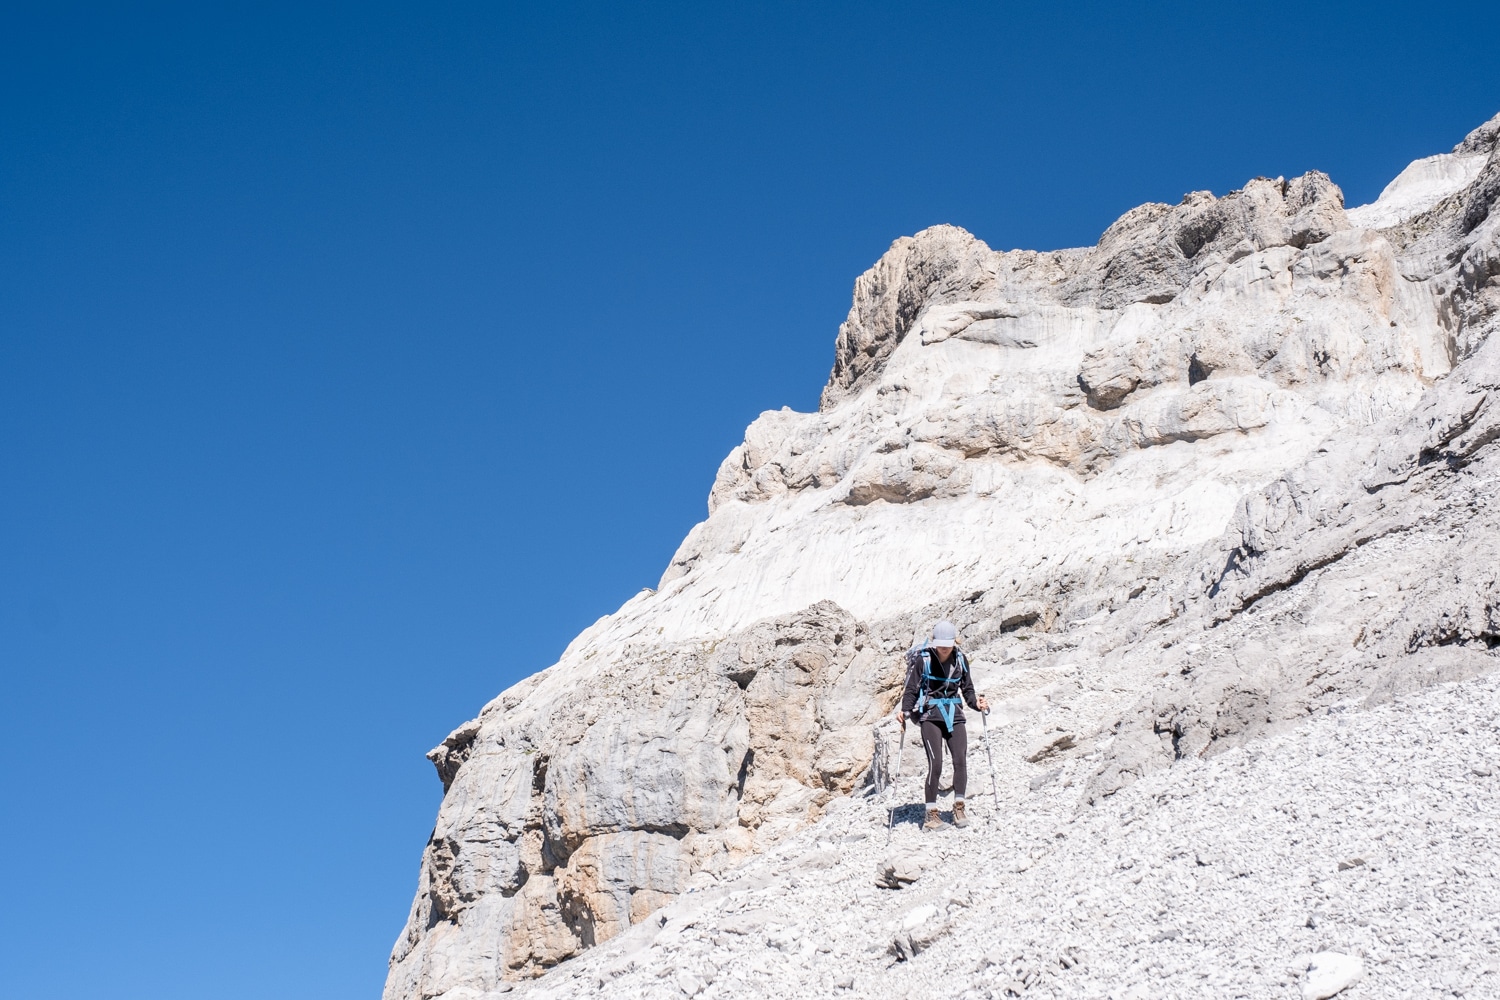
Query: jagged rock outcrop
(1230, 466)
(573, 810)
(936, 266)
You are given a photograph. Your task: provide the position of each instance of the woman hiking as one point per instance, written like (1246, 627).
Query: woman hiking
(938, 685)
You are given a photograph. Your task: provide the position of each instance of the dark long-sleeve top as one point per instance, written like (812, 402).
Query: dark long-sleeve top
(953, 680)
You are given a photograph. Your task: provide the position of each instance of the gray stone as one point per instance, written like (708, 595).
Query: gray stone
(1051, 745)
(897, 871)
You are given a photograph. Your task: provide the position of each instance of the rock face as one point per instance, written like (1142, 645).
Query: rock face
(1231, 466)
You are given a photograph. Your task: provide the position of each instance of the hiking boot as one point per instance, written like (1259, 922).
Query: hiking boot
(960, 818)
(934, 821)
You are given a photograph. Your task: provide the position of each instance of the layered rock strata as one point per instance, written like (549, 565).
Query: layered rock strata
(1230, 466)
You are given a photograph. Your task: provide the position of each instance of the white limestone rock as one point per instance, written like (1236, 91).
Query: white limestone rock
(1330, 973)
(1229, 470)
(1428, 181)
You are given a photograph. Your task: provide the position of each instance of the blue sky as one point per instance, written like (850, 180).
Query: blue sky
(353, 359)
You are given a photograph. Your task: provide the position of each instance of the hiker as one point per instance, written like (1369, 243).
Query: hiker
(938, 685)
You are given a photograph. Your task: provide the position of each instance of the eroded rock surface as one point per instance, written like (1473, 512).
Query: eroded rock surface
(1233, 466)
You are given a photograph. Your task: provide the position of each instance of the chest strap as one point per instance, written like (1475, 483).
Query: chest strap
(946, 705)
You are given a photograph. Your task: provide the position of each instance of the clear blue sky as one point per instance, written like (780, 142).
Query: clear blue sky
(352, 359)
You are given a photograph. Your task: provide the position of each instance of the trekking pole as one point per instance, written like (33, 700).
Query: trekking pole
(890, 821)
(994, 793)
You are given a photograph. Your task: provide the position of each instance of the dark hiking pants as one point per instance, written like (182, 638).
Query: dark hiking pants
(934, 735)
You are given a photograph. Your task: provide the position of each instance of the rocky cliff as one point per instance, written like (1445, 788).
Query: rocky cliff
(1232, 466)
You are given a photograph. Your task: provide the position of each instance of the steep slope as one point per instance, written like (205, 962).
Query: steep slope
(1227, 467)
(1372, 837)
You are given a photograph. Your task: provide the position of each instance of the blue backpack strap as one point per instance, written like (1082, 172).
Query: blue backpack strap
(947, 706)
